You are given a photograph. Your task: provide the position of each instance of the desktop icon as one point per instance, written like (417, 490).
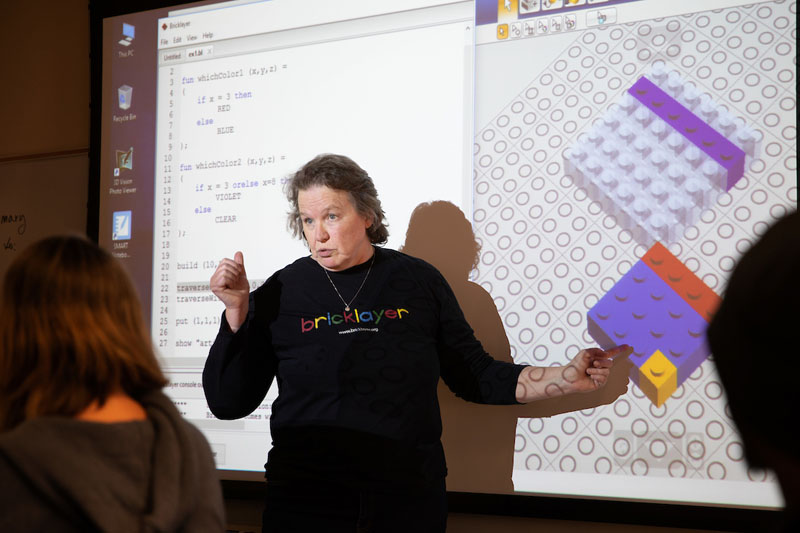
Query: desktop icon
(128, 31)
(125, 96)
(121, 228)
(124, 160)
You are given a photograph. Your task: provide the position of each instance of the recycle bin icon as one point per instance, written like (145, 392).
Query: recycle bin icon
(125, 95)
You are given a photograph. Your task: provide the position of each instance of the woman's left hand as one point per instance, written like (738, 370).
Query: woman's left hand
(589, 370)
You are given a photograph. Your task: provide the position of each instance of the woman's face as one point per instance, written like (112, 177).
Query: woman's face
(336, 233)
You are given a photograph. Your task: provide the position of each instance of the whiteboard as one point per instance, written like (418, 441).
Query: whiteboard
(40, 197)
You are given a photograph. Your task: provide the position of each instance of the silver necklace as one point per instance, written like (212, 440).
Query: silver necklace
(346, 304)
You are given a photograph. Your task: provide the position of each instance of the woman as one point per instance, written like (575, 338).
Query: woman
(88, 442)
(357, 337)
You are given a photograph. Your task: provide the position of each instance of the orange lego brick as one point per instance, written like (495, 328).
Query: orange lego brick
(682, 280)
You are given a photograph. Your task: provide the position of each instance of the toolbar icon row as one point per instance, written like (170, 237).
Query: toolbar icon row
(538, 26)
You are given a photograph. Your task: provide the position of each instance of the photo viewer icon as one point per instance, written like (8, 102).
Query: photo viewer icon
(124, 160)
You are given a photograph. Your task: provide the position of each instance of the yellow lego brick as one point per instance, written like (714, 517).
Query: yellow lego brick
(658, 378)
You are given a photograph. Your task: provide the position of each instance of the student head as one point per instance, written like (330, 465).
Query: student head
(71, 332)
(753, 339)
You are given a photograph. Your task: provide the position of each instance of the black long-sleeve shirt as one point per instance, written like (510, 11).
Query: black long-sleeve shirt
(357, 389)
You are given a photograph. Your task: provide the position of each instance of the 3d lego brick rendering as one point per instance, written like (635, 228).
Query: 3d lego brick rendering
(560, 227)
(661, 309)
(660, 156)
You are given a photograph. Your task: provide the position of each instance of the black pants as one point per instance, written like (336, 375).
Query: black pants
(335, 509)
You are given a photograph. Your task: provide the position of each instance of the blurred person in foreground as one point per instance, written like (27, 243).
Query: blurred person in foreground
(357, 337)
(88, 441)
(753, 339)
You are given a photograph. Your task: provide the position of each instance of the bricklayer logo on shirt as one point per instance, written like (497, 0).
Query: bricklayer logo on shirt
(352, 318)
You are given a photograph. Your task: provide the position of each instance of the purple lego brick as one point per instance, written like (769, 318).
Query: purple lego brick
(642, 310)
(692, 127)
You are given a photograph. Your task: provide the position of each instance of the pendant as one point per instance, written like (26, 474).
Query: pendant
(347, 308)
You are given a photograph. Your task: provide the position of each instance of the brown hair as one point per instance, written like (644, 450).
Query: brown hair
(71, 332)
(340, 173)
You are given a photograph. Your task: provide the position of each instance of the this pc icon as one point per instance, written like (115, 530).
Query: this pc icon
(125, 95)
(121, 229)
(128, 31)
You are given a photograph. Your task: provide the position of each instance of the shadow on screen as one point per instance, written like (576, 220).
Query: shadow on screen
(479, 439)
